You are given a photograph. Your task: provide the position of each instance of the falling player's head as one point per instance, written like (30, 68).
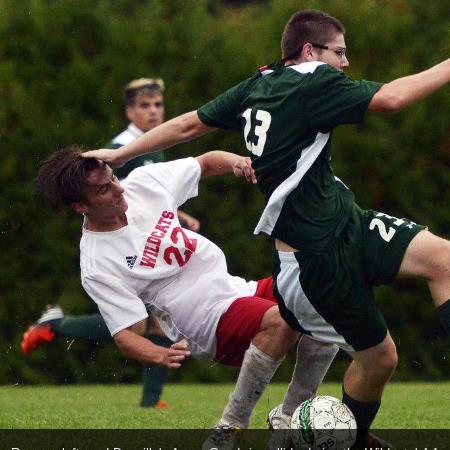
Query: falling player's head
(62, 177)
(87, 185)
(144, 102)
(313, 35)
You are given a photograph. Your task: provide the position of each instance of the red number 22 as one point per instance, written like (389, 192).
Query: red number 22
(190, 246)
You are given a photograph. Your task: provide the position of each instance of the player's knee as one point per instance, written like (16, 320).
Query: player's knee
(388, 358)
(275, 336)
(381, 364)
(279, 327)
(388, 361)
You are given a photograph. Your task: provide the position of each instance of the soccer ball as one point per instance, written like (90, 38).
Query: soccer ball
(323, 423)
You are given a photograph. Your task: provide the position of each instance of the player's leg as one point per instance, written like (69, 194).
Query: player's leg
(327, 295)
(428, 257)
(405, 249)
(313, 359)
(274, 337)
(253, 335)
(364, 382)
(92, 327)
(53, 323)
(385, 245)
(261, 360)
(249, 323)
(87, 326)
(154, 376)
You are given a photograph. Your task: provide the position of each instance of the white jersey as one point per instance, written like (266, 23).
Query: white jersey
(153, 264)
(129, 135)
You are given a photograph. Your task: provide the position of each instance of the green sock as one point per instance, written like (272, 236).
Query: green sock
(154, 376)
(89, 326)
(444, 314)
(93, 327)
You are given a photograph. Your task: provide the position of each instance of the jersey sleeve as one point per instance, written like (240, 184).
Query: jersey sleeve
(224, 111)
(119, 306)
(335, 99)
(180, 177)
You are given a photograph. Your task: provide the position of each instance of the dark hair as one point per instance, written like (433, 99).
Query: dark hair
(62, 177)
(309, 25)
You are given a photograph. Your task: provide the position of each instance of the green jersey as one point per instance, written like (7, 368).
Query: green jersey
(286, 115)
(127, 136)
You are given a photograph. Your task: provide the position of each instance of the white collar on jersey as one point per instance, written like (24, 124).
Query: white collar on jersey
(134, 130)
(307, 67)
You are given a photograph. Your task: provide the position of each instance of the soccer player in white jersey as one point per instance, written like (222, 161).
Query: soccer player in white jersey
(144, 107)
(286, 114)
(135, 258)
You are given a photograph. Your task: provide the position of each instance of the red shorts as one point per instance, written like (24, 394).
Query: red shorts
(241, 322)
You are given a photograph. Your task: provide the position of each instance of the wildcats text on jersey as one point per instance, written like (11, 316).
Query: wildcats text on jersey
(153, 242)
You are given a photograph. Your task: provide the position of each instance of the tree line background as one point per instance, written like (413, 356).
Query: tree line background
(62, 67)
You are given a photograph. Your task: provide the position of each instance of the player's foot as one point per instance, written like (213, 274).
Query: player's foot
(280, 423)
(372, 441)
(161, 404)
(41, 332)
(223, 437)
(35, 336)
(277, 420)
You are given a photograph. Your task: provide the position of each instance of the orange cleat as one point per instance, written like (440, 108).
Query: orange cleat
(161, 404)
(35, 336)
(41, 331)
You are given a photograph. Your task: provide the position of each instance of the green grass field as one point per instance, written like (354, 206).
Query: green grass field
(412, 405)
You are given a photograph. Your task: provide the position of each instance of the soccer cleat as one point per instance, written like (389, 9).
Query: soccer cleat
(280, 423)
(35, 336)
(41, 332)
(371, 441)
(51, 312)
(161, 404)
(277, 420)
(223, 437)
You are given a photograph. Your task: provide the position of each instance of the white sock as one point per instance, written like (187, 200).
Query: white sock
(313, 361)
(256, 372)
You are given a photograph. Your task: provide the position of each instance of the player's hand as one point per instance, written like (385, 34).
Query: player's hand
(109, 156)
(189, 222)
(243, 168)
(176, 354)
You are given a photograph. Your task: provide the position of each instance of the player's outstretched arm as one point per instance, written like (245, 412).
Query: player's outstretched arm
(180, 129)
(141, 349)
(400, 93)
(218, 162)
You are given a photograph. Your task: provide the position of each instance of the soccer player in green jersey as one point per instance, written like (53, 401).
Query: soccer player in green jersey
(329, 253)
(144, 108)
